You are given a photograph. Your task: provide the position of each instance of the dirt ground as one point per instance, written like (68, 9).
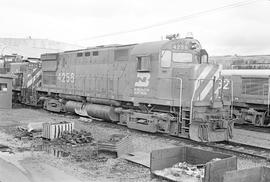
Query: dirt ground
(31, 164)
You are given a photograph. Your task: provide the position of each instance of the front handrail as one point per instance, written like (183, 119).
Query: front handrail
(192, 98)
(232, 98)
(268, 96)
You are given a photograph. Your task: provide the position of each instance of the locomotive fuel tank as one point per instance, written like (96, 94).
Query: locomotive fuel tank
(93, 110)
(71, 106)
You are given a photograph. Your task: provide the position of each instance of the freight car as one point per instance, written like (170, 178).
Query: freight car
(165, 86)
(251, 97)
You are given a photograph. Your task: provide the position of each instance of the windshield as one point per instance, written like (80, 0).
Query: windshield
(166, 57)
(182, 57)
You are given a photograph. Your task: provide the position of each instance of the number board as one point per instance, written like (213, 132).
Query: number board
(180, 46)
(185, 45)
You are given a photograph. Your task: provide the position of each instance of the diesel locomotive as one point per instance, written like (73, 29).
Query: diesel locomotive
(165, 86)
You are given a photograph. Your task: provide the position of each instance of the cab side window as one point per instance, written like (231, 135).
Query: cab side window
(3, 87)
(166, 59)
(143, 64)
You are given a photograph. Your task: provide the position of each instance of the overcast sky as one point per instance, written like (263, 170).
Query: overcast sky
(243, 30)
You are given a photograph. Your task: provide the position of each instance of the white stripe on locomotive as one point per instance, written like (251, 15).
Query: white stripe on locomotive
(33, 79)
(202, 76)
(206, 91)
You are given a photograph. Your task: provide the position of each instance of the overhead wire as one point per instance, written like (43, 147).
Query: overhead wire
(178, 19)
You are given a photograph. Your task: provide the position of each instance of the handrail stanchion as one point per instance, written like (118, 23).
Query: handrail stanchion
(268, 96)
(232, 98)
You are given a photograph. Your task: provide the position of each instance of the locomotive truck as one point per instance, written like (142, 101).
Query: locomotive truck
(165, 86)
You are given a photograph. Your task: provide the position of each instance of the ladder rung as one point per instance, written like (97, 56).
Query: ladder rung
(186, 110)
(183, 127)
(186, 118)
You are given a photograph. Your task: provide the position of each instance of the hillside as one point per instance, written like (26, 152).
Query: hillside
(29, 47)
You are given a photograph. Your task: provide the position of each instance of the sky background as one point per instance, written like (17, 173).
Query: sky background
(242, 30)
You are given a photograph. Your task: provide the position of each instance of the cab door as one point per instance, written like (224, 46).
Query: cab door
(164, 78)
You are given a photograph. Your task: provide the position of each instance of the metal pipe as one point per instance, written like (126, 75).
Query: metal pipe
(213, 90)
(232, 98)
(222, 85)
(268, 96)
(180, 96)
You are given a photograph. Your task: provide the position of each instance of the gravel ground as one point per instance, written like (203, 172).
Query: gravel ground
(252, 138)
(104, 167)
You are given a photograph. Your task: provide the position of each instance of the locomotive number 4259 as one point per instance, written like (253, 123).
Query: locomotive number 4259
(66, 77)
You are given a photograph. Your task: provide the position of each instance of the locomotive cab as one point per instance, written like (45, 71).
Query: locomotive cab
(183, 53)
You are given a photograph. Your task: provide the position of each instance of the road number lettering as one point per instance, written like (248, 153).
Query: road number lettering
(66, 77)
(226, 84)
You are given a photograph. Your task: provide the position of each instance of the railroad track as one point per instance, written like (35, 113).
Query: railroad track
(243, 149)
(252, 128)
(237, 149)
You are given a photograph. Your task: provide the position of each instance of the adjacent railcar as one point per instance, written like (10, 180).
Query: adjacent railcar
(26, 79)
(165, 86)
(251, 97)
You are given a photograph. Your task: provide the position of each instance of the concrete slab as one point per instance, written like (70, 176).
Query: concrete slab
(142, 158)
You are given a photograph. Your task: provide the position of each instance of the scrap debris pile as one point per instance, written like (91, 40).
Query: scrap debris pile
(74, 138)
(61, 140)
(183, 172)
(23, 133)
